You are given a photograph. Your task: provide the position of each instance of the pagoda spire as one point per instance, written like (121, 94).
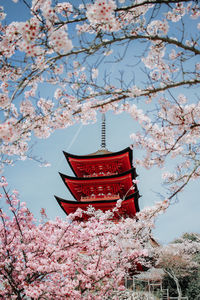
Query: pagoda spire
(103, 131)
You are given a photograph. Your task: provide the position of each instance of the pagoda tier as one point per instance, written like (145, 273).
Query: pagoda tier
(128, 208)
(100, 163)
(101, 188)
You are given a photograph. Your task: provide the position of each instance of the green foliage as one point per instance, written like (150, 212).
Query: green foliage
(168, 283)
(193, 290)
(194, 237)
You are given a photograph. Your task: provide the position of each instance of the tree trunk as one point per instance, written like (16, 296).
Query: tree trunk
(178, 287)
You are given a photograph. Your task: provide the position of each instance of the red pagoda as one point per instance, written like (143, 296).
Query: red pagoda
(101, 179)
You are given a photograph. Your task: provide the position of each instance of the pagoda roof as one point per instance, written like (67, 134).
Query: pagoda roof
(119, 184)
(129, 206)
(100, 152)
(83, 164)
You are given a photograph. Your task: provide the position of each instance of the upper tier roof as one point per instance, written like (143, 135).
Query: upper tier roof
(101, 152)
(129, 206)
(100, 163)
(120, 184)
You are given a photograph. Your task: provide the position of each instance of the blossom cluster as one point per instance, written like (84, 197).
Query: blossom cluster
(82, 258)
(178, 257)
(22, 36)
(59, 41)
(101, 15)
(175, 139)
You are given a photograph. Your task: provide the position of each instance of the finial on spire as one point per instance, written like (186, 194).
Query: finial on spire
(103, 131)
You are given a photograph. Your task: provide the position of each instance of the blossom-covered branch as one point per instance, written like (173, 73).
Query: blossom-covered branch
(66, 49)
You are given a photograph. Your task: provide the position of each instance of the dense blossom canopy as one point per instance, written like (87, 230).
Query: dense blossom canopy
(86, 260)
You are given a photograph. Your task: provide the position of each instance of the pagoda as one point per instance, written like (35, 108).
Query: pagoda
(100, 180)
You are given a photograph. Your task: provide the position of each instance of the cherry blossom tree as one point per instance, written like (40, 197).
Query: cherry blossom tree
(67, 258)
(66, 47)
(178, 260)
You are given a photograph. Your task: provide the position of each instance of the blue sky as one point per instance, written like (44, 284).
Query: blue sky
(37, 186)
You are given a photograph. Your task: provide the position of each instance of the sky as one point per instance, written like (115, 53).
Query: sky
(38, 185)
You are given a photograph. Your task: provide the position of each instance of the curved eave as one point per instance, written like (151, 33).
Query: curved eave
(129, 205)
(68, 180)
(96, 156)
(93, 156)
(131, 171)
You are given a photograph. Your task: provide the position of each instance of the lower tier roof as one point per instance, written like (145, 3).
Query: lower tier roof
(128, 208)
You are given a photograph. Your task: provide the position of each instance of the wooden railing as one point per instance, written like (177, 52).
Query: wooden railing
(100, 198)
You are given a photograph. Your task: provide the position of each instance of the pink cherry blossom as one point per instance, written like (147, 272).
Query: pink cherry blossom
(101, 13)
(59, 41)
(87, 260)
